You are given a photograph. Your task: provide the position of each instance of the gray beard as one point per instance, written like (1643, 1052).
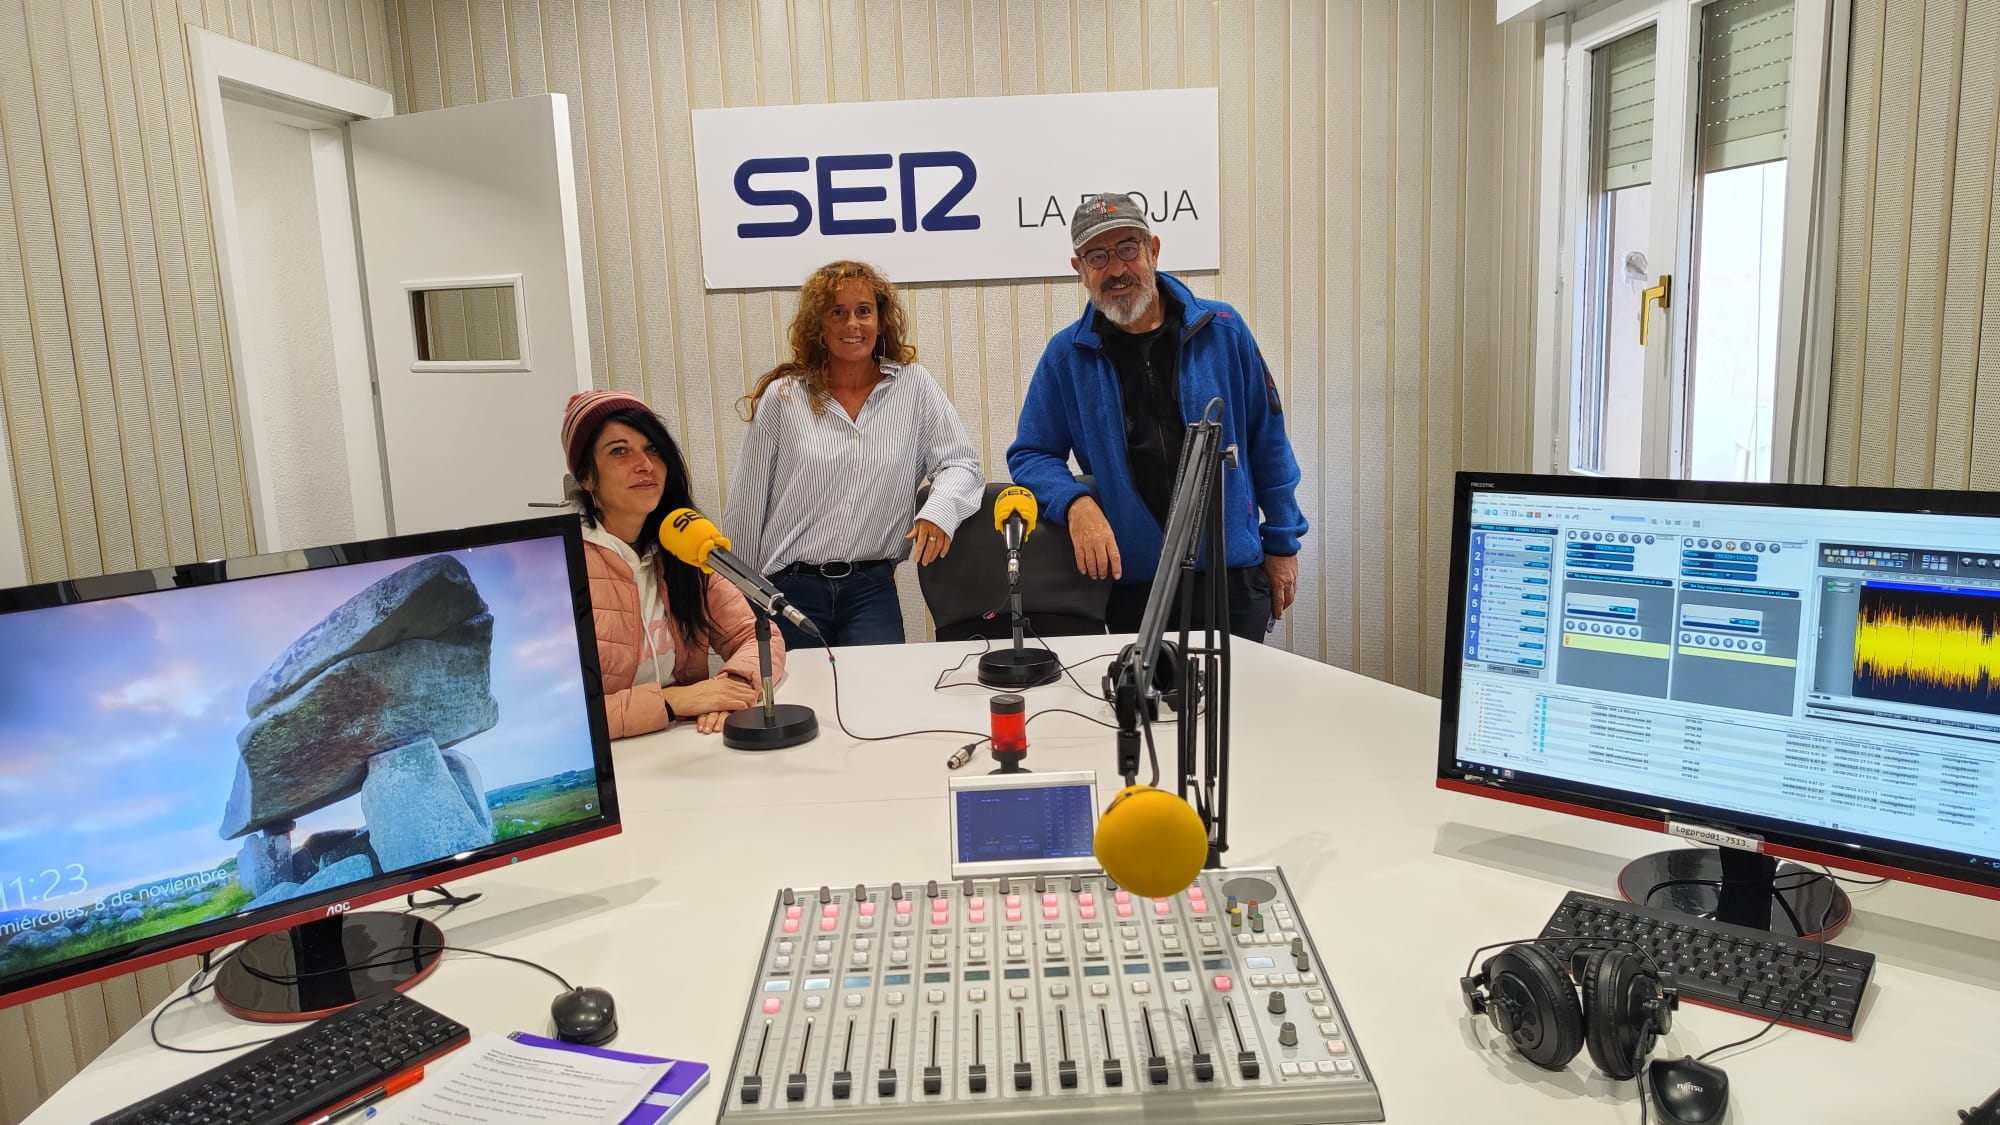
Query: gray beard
(1119, 315)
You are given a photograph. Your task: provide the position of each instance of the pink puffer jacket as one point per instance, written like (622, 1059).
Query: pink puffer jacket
(614, 604)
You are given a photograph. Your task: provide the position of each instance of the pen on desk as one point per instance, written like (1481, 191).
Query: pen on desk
(364, 1106)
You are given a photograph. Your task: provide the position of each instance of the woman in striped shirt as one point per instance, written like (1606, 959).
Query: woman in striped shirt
(841, 436)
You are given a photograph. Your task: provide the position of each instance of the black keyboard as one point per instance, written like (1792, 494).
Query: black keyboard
(315, 1068)
(1735, 968)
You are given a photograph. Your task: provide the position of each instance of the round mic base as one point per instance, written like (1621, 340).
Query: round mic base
(749, 730)
(1014, 669)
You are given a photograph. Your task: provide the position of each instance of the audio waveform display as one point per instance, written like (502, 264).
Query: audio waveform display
(1928, 648)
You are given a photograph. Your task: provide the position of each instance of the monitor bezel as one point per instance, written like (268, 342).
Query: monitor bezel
(120, 960)
(1787, 840)
(1051, 865)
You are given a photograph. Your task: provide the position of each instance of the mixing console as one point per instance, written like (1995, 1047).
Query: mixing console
(1047, 998)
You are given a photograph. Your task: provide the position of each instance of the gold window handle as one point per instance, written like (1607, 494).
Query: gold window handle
(1661, 293)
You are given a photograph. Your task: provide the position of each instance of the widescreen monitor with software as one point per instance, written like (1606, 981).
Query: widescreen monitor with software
(1813, 672)
(194, 756)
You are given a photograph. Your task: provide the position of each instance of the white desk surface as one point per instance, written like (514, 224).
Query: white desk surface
(1397, 880)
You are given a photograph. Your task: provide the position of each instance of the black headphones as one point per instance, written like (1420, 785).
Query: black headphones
(1527, 991)
(1174, 677)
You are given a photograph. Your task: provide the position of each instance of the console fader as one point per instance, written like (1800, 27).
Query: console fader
(1047, 998)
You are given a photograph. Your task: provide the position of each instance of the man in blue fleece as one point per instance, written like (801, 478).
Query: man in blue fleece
(1118, 389)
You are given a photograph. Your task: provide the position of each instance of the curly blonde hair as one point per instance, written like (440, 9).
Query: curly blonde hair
(809, 354)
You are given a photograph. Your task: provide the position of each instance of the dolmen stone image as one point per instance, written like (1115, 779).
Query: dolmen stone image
(371, 700)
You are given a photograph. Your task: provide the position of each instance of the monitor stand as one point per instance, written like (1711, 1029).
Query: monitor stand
(1740, 887)
(317, 967)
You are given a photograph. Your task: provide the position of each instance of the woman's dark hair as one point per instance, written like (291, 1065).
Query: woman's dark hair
(686, 587)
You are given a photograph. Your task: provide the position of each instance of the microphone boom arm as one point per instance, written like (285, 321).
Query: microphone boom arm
(1196, 507)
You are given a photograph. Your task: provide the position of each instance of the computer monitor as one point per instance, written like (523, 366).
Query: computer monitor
(1797, 672)
(255, 748)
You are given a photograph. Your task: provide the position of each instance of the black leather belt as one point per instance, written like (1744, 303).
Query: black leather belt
(835, 569)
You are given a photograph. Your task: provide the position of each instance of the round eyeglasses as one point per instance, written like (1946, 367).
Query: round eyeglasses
(1127, 251)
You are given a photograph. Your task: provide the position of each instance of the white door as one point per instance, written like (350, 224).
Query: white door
(473, 275)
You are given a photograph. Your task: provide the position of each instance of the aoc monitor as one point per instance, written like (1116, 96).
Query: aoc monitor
(1783, 672)
(254, 748)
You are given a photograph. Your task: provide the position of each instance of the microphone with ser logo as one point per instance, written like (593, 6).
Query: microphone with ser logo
(1017, 667)
(695, 540)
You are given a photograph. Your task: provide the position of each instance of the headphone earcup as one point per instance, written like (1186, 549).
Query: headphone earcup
(1616, 989)
(1534, 1005)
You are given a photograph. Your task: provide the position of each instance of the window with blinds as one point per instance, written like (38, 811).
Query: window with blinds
(1746, 79)
(1624, 73)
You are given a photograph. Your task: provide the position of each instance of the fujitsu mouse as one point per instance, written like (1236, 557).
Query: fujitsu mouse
(1687, 1091)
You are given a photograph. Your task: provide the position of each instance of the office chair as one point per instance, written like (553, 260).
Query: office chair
(961, 588)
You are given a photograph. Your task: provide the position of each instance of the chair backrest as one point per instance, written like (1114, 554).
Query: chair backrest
(964, 586)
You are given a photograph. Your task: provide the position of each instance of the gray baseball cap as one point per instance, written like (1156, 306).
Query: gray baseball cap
(1108, 210)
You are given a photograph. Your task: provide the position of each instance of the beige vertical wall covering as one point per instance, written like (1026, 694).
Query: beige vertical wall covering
(1378, 164)
(1916, 366)
(1377, 176)
(113, 373)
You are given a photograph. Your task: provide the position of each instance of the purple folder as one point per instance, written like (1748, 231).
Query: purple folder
(683, 1079)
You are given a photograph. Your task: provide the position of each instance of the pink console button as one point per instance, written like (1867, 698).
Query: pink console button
(793, 911)
(1224, 984)
(1013, 914)
(903, 906)
(1125, 910)
(1051, 913)
(1088, 912)
(831, 910)
(1013, 900)
(773, 1006)
(976, 902)
(975, 916)
(1200, 907)
(1085, 899)
(1048, 900)
(829, 924)
(1123, 897)
(1162, 906)
(868, 910)
(1194, 893)
(791, 925)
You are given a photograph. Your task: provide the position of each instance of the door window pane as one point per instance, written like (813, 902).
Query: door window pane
(1732, 371)
(466, 325)
(1610, 377)
(1733, 362)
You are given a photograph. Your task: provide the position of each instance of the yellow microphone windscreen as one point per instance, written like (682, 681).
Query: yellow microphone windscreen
(1151, 842)
(1015, 500)
(689, 536)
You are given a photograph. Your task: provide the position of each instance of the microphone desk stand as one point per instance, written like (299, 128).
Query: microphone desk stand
(1012, 669)
(773, 725)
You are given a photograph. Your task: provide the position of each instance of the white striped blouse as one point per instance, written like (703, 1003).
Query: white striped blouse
(822, 488)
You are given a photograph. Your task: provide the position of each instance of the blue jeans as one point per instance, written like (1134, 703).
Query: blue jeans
(860, 609)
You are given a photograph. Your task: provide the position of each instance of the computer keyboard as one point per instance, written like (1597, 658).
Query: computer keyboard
(1735, 968)
(292, 1079)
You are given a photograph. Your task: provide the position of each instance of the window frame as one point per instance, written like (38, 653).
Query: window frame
(1564, 215)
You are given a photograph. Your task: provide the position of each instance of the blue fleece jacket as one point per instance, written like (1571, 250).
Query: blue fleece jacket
(1074, 404)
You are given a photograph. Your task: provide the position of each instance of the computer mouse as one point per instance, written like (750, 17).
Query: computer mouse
(584, 1015)
(1687, 1091)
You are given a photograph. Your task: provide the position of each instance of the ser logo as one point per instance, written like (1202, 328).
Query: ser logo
(684, 517)
(829, 197)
